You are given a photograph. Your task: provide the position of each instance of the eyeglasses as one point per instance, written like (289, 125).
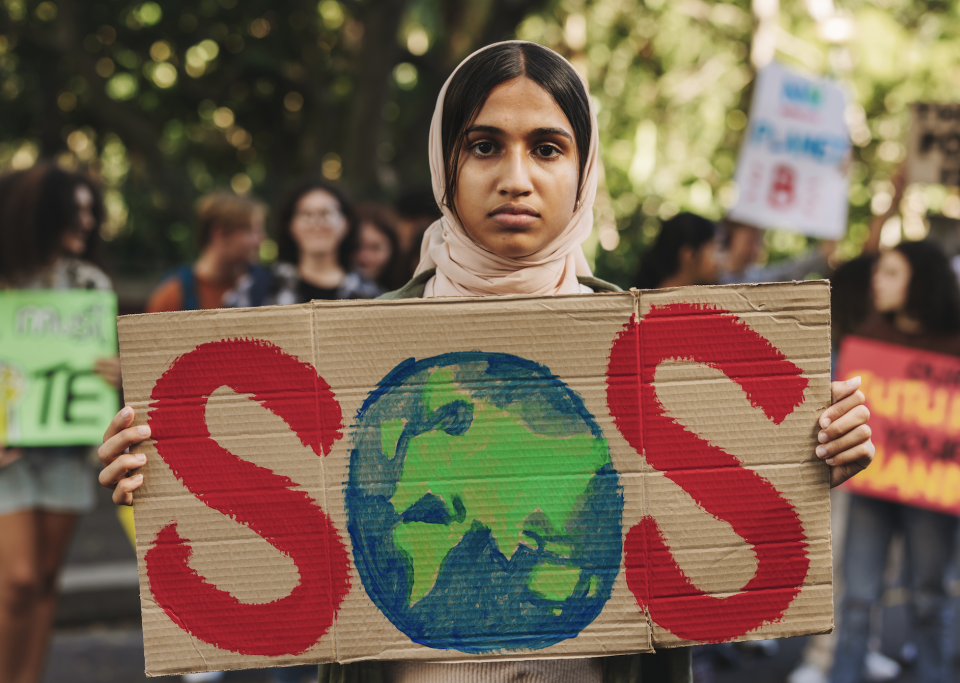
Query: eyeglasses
(326, 216)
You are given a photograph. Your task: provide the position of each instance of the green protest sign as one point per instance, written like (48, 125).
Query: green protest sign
(49, 343)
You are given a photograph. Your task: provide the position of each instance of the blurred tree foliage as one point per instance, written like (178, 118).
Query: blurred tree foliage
(673, 83)
(162, 101)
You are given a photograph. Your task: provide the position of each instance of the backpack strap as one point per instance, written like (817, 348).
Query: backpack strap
(188, 286)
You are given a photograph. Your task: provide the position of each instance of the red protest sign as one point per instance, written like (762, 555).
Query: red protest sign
(914, 402)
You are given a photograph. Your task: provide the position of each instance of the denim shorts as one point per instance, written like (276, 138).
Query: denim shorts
(52, 479)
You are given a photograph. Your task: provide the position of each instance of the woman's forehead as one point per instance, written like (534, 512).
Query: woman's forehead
(893, 258)
(521, 106)
(318, 197)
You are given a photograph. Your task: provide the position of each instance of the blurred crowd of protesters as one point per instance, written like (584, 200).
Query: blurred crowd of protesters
(49, 239)
(329, 248)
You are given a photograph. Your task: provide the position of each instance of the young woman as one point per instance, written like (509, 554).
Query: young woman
(684, 253)
(513, 153)
(378, 253)
(49, 239)
(917, 303)
(317, 236)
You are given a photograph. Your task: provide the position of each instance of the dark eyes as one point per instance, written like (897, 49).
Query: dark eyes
(485, 148)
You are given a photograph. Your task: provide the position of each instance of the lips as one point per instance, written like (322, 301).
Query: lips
(514, 215)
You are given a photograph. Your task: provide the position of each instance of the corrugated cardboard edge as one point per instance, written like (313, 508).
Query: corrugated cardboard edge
(124, 321)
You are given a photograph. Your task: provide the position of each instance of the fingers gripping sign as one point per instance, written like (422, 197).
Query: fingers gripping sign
(844, 437)
(266, 502)
(118, 462)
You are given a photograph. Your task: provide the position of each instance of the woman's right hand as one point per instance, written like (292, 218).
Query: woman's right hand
(117, 459)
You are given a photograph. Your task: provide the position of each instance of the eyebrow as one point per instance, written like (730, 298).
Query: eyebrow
(493, 130)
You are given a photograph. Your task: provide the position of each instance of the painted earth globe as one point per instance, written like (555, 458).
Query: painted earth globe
(484, 511)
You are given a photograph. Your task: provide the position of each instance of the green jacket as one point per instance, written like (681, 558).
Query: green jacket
(664, 666)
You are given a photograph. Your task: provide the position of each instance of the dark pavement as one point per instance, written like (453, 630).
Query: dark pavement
(98, 638)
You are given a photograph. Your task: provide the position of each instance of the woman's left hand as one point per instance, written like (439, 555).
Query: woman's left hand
(109, 369)
(844, 434)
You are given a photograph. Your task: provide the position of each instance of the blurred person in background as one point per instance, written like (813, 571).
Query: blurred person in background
(917, 302)
(743, 248)
(318, 234)
(851, 300)
(416, 211)
(231, 231)
(49, 239)
(378, 253)
(850, 306)
(684, 253)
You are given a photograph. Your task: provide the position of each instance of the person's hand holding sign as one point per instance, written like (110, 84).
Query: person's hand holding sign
(117, 459)
(844, 434)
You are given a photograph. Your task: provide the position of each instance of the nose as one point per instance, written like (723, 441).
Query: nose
(515, 180)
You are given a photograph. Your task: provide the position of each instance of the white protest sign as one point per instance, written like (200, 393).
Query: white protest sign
(933, 152)
(791, 173)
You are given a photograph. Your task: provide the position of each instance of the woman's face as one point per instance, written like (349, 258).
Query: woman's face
(318, 224)
(891, 280)
(74, 238)
(518, 175)
(374, 251)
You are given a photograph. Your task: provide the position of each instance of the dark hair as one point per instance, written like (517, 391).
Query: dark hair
(225, 210)
(417, 203)
(662, 259)
(933, 295)
(850, 301)
(287, 249)
(37, 206)
(473, 82)
(385, 221)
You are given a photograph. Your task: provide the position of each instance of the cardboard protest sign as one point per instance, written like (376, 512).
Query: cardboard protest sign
(933, 149)
(493, 478)
(791, 173)
(49, 342)
(914, 402)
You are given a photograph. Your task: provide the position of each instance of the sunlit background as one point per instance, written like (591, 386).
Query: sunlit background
(161, 102)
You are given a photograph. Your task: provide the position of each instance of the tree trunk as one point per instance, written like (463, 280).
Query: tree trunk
(365, 125)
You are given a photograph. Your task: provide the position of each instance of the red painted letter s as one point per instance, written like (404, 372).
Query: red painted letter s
(254, 496)
(713, 478)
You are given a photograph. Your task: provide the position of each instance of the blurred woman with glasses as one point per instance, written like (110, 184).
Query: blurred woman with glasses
(317, 237)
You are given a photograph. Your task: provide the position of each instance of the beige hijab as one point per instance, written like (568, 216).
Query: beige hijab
(464, 268)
